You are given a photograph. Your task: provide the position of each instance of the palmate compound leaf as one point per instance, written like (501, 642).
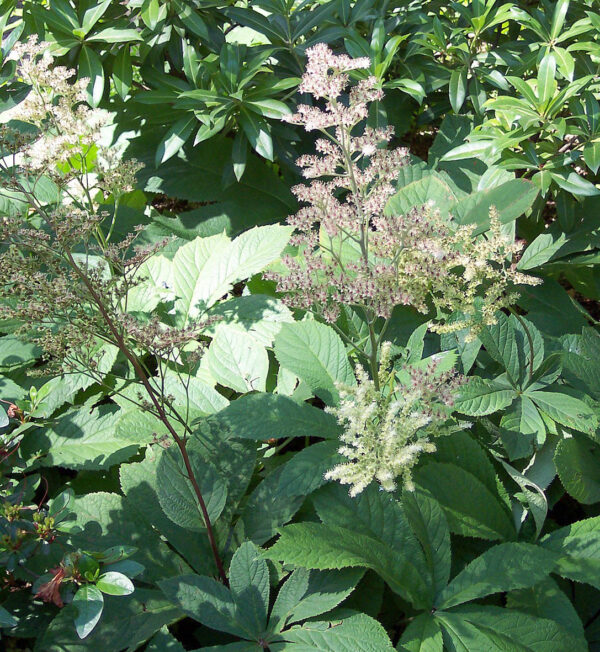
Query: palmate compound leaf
(240, 610)
(322, 547)
(306, 594)
(503, 567)
(316, 354)
(422, 635)
(567, 410)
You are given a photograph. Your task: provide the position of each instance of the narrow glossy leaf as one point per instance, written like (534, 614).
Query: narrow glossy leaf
(558, 19)
(473, 149)
(316, 354)
(458, 89)
(258, 133)
(175, 139)
(92, 15)
(89, 604)
(546, 78)
(504, 567)
(90, 67)
(239, 153)
(116, 35)
(269, 108)
(591, 156)
(113, 583)
(123, 72)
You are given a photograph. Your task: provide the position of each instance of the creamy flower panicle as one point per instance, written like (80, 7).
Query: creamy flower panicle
(352, 253)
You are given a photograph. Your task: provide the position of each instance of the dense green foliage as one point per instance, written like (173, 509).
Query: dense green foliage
(179, 422)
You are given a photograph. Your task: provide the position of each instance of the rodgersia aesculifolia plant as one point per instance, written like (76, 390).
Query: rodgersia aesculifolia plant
(352, 252)
(61, 277)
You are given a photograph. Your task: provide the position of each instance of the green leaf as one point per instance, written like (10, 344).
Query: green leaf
(205, 269)
(357, 633)
(93, 14)
(511, 200)
(470, 507)
(458, 89)
(494, 629)
(504, 567)
(316, 354)
(591, 156)
(546, 78)
(430, 188)
(428, 522)
(577, 463)
(175, 139)
(89, 604)
(566, 410)
(115, 35)
(500, 342)
(307, 594)
(81, 439)
(90, 66)
(249, 585)
(480, 397)
(422, 635)
(205, 600)
(127, 623)
(237, 360)
(176, 493)
(258, 133)
(558, 18)
(7, 619)
(322, 547)
(123, 72)
(546, 600)
(164, 641)
(113, 583)
(274, 417)
(578, 545)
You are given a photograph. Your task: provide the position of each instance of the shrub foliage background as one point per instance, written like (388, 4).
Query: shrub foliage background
(189, 391)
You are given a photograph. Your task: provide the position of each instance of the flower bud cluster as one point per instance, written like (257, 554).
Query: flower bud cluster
(387, 429)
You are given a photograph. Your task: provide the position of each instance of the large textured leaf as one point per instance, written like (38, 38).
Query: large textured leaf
(500, 342)
(428, 522)
(322, 547)
(82, 439)
(176, 493)
(511, 200)
(316, 354)
(422, 635)
(470, 507)
(249, 585)
(577, 463)
(480, 397)
(273, 416)
(504, 567)
(237, 360)
(258, 315)
(205, 269)
(579, 547)
(205, 600)
(430, 188)
(357, 633)
(307, 594)
(566, 410)
(126, 623)
(493, 629)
